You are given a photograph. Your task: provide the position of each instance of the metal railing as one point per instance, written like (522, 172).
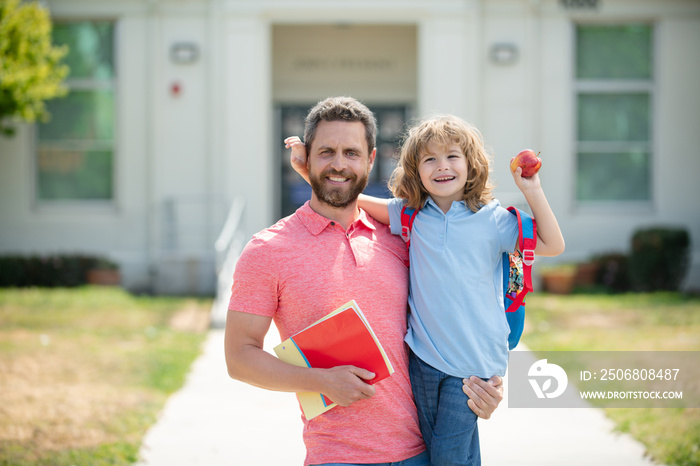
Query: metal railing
(228, 247)
(188, 222)
(183, 262)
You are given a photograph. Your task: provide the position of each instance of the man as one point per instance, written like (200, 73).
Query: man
(325, 254)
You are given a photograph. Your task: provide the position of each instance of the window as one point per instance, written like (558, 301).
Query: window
(75, 149)
(614, 113)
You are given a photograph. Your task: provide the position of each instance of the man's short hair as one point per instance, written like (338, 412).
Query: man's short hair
(341, 109)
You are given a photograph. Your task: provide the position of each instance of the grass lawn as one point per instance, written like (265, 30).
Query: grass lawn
(627, 322)
(85, 371)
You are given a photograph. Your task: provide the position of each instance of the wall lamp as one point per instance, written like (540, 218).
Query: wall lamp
(503, 53)
(184, 53)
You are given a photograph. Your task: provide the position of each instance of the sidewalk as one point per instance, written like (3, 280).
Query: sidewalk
(216, 421)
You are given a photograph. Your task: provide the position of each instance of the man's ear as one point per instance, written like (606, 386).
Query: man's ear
(371, 157)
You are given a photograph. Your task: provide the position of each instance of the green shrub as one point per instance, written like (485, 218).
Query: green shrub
(659, 258)
(46, 271)
(613, 272)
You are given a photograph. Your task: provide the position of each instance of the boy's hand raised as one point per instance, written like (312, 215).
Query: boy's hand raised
(298, 156)
(526, 184)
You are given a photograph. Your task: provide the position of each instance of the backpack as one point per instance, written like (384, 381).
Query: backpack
(517, 268)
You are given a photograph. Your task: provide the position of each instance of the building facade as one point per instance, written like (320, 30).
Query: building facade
(178, 107)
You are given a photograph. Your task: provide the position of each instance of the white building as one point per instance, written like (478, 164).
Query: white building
(178, 107)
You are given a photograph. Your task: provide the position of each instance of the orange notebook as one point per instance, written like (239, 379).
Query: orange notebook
(343, 337)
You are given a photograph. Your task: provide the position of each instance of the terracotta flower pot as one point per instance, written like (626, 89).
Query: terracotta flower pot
(558, 282)
(106, 277)
(586, 274)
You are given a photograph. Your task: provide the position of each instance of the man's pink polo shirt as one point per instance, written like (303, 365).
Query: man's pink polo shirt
(302, 268)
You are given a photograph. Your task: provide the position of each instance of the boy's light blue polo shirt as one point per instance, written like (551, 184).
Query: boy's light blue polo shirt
(457, 321)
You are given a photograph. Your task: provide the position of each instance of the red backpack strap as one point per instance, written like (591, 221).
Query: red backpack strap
(527, 234)
(408, 215)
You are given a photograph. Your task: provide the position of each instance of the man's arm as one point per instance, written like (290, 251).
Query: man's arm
(484, 396)
(248, 362)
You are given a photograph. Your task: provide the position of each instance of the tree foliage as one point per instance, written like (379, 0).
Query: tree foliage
(31, 70)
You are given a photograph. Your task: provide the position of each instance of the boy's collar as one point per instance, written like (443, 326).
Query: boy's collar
(434, 204)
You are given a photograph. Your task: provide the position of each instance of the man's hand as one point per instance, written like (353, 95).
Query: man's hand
(247, 361)
(345, 385)
(484, 396)
(298, 156)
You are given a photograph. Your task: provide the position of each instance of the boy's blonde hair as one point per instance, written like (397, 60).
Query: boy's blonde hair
(443, 130)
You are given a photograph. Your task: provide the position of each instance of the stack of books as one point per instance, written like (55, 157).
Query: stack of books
(343, 337)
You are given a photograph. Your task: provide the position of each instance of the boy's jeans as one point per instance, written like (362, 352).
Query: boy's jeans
(448, 425)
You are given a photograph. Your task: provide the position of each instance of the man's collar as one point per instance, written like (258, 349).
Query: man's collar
(364, 219)
(316, 223)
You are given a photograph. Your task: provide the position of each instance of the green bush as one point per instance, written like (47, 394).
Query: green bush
(613, 272)
(60, 270)
(659, 258)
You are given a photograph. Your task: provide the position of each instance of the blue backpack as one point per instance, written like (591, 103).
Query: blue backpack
(517, 268)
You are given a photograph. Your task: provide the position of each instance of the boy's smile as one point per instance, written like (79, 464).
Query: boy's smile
(443, 171)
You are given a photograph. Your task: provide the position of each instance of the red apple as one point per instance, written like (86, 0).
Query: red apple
(528, 161)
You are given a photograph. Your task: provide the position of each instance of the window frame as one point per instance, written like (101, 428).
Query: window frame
(581, 86)
(83, 84)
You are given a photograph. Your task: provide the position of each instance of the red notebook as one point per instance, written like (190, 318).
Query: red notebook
(343, 337)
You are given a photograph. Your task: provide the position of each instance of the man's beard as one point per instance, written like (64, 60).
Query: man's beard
(338, 197)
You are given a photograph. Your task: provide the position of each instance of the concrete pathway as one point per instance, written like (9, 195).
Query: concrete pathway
(216, 421)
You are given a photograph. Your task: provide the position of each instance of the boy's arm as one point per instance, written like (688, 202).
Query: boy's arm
(298, 156)
(550, 241)
(376, 207)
